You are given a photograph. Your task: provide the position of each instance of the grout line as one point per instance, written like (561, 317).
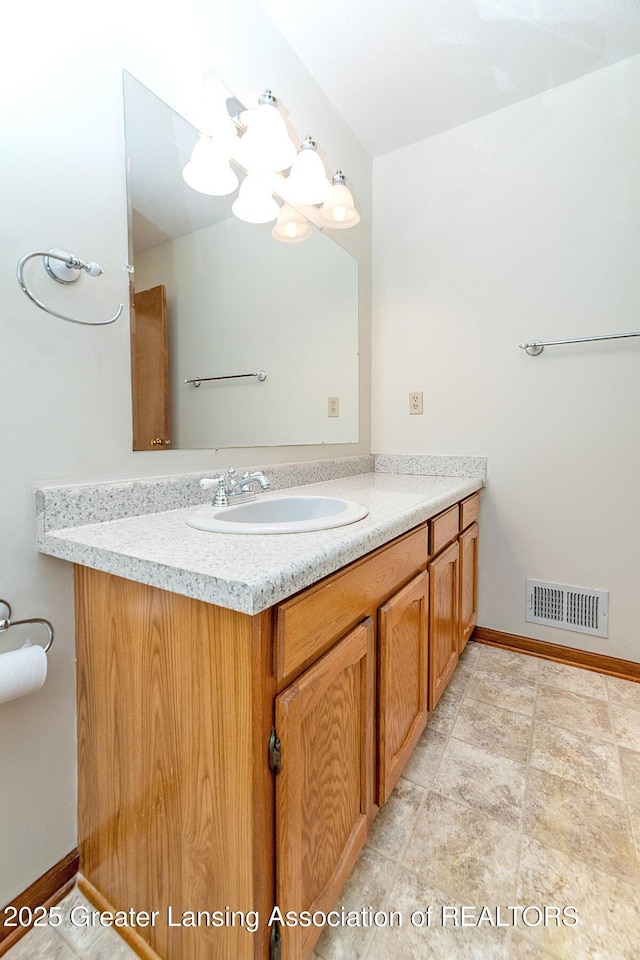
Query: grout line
(525, 793)
(623, 786)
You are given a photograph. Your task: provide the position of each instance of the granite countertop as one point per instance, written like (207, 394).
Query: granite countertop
(250, 573)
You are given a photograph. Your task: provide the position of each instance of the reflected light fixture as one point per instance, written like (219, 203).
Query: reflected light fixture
(255, 202)
(307, 183)
(291, 227)
(338, 212)
(265, 145)
(208, 171)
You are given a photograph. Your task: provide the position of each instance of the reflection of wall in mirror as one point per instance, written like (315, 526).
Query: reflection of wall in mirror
(238, 301)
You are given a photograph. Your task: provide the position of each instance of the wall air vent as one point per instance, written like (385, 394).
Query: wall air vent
(567, 607)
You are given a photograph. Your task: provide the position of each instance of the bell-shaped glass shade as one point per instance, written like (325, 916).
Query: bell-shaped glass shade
(266, 145)
(255, 202)
(291, 226)
(307, 182)
(208, 171)
(338, 211)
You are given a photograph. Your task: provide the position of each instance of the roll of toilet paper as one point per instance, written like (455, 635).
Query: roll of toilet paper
(22, 671)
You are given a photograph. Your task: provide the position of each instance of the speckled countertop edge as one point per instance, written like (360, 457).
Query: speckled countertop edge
(252, 573)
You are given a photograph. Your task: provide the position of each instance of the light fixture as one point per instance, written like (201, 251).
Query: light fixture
(307, 183)
(255, 202)
(258, 141)
(265, 145)
(338, 212)
(291, 227)
(208, 171)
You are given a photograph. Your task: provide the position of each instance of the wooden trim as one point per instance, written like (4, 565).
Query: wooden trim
(46, 891)
(128, 934)
(599, 662)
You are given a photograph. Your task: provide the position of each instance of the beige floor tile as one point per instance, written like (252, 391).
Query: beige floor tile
(523, 949)
(108, 946)
(509, 693)
(574, 711)
(41, 943)
(490, 783)
(445, 713)
(499, 731)
(608, 908)
(459, 681)
(471, 652)
(463, 851)
(507, 663)
(626, 722)
(576, 821)
(409, 896)
(423, 763)
(79, 937)
(630, 763)
(587, 682)
(626, 692)
(585, 760)
(368, 886)
(397, 818)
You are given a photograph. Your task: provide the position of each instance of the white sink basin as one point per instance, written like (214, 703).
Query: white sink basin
(274, 514)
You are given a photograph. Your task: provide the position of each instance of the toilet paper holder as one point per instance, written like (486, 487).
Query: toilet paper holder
(7, 622)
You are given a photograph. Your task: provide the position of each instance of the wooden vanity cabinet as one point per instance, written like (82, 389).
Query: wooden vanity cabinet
(453, 589)
(444, 626)
(468, 540)
(403, 627)
(228, 760)
(351, 669)
(324, 788)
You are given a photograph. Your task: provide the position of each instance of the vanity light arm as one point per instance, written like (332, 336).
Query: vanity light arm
(74, 264)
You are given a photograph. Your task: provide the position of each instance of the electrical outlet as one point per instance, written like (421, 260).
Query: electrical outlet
(333, 407)
(415, 402)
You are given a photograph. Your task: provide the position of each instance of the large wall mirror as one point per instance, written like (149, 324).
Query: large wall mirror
(217, 297)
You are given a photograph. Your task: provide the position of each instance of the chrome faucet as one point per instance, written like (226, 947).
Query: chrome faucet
(232, 489)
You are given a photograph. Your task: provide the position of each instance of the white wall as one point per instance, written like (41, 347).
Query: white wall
(297, 319)
(65, 389)
(523, 224)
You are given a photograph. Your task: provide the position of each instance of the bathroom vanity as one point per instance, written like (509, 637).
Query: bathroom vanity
(233, 760)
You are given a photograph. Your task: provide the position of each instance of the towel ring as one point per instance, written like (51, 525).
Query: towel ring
(65, 269)
(8, 622)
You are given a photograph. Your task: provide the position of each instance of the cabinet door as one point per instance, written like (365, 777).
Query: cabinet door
(443, 621)
(324, 792)
(468, 583)
(402, 679)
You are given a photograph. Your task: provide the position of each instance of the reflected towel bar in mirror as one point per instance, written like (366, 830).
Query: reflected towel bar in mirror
(260, 374)
(535, 347)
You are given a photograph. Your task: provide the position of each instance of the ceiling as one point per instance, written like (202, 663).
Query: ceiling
(402, 70)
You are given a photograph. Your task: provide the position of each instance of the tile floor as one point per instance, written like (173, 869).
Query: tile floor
(524, 791)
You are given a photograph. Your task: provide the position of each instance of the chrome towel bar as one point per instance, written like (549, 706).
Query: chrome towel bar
(260, 374)
(7, 623)
(535, 347)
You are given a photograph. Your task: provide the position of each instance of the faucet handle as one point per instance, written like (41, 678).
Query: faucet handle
(220, 499)
(206, 483)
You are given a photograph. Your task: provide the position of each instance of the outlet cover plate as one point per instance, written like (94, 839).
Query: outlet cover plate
(415, 402)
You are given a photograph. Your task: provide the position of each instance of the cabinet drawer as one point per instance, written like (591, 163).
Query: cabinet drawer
(469, 510)
(443, 529)
(307, 625)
